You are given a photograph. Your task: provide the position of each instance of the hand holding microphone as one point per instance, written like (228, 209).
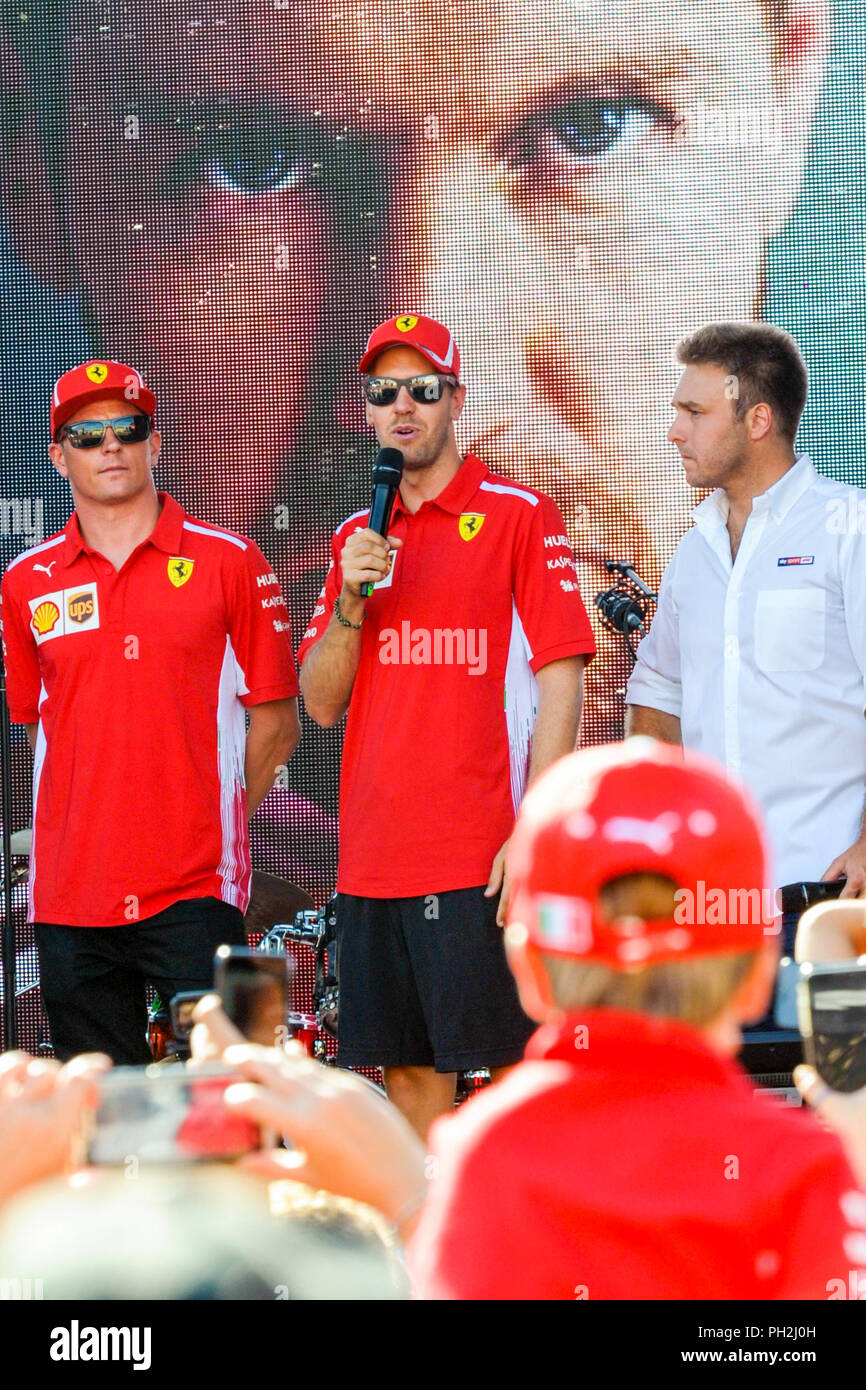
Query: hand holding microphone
(387, 474)
(366, 556)
(365, 560)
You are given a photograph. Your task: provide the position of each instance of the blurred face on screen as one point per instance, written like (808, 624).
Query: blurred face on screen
(571, 185)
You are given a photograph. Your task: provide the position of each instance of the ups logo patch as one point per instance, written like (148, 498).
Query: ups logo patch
(80, 606)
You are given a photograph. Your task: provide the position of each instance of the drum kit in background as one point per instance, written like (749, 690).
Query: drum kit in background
(316, 930)
(310, 937)
(279, 916)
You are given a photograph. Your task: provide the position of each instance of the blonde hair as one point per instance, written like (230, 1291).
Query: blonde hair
(692, 991)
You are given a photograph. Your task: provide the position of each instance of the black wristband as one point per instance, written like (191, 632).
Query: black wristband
(342, 619)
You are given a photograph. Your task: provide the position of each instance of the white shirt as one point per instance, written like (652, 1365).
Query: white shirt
(763, 659)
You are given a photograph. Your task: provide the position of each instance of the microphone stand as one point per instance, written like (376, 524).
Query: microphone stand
(10, 1004)
(623, 608)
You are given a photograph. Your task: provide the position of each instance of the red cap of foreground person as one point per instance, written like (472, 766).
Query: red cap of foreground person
(639, 807)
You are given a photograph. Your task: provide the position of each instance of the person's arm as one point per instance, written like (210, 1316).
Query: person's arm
(827, 932)
(328, 670)
(21, 655)
(272, 737)
(560, 702)
(832, 931)
(843, 1112)
(559, 644)
(657, 723)
(852, 574)
(852, 863)
(257, 622)
(654, 695)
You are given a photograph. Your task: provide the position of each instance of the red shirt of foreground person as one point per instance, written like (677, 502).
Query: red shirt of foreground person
(628, 1156)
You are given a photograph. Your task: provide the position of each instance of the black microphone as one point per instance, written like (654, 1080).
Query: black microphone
(387, 473)
(622, 612)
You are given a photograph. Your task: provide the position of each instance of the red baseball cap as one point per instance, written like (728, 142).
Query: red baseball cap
(639, 807)
(426, 336)
(94, 381)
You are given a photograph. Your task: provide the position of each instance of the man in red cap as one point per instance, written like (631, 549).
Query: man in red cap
(628, 1157)
(138, 640)
(462, 675)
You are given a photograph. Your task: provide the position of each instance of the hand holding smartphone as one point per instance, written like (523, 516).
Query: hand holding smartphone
(160, 1114)
(831, 1007)
(254, 989)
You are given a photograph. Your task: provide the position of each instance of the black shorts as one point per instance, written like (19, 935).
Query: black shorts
(424, 983)
(93, 978)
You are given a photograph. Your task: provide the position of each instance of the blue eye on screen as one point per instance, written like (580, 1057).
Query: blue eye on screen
(256, 156)
(266, 169)
(592, 128)
(587, 129)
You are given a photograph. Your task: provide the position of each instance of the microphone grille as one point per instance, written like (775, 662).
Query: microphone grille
(389, 462)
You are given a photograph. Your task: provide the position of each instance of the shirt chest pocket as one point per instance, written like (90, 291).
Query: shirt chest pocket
(790, 629)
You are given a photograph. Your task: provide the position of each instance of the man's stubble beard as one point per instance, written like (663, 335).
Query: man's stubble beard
(431, 450)
(722, 471)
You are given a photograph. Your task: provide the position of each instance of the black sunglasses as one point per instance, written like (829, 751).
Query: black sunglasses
(425, 389)
(89, 434)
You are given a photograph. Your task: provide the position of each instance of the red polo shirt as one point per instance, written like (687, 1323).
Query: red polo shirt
(482, 594)
(138, 680)
(625, 1159)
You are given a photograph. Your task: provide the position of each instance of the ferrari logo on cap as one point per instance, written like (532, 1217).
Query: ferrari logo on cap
(405, 323)
(179, 570)
(470, 524)
(96, 372)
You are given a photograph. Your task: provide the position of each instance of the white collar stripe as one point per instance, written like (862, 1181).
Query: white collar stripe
(35, 550)
(218, 535)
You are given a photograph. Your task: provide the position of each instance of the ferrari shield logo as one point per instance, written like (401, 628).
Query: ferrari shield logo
(470, 524)
(96, 372)
(179, 570)
(405, 323)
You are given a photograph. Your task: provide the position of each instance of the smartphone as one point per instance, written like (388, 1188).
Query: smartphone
(254, 989)
(160, 1114)
(785, 997)
(831, 1007)
(182, 1005)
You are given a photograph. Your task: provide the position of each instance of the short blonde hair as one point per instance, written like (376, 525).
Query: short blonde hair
(692, 991)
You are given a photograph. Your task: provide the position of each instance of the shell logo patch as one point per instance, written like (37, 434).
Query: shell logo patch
(180, 570)
(405, 323)
(46, 617)
(96, 372)
(470, 524)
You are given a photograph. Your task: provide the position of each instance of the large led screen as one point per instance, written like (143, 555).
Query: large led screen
(229, 196)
